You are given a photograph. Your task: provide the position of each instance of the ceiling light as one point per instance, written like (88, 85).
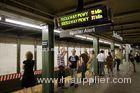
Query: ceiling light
(57, 31)
(79, 36)
(106, 42)
(22, 23)
(90, 38)
(117, 45)
(101, 41)
(26, 24)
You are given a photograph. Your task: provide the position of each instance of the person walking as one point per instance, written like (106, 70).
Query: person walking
(101, 61)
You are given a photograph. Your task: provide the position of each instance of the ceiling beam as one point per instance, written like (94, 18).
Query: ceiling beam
(126, 23)
(86, 6)
(28, 4)
(131, 28)
(22, 12)
(8, 30)
(126, 31)
(132, 40)
(127, 13)
(132, 34)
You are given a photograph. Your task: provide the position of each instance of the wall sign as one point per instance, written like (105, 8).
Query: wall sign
(81, 19)
(82, 31)
(116, 35)
(45, 44)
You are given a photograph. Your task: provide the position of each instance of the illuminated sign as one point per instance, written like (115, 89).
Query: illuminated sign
(115, 35)
(82, 19)
(71, 33)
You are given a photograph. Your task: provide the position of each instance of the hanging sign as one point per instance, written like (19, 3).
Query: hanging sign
(81, 19)
(116, 35)
(82, 31)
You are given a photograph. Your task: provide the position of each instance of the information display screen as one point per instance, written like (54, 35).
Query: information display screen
(86, 18)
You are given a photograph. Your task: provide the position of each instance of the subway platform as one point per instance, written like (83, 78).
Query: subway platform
(126, 71)
(47, 29)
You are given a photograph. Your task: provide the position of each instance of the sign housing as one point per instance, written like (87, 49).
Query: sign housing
(85, 18)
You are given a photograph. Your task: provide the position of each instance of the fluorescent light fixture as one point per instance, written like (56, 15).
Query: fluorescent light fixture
(79, 36)
(101, 41)
(89, 38)
(0, 18)
(22, 23)
(57, 31)
(26, 24)
(106, 42)
(117, 45)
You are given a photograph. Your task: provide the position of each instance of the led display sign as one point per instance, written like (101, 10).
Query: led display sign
(81, 19)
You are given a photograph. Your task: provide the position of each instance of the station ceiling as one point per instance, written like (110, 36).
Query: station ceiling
(126, 13)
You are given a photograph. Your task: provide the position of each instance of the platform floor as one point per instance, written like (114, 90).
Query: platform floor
(125, 71)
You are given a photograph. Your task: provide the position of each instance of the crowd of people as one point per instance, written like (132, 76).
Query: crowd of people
(86, 61)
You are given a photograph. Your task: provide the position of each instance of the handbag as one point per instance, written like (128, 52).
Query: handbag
(88, 65)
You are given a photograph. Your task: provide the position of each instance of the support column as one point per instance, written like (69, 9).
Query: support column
(127, 51)
(18, 55)
(48, 57)
(35, 53)
(96, 50)
(67, 53)
(112, 47)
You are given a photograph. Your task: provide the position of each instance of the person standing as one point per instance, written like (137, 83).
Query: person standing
(114, 61)
(101, 61)
(137, 57)
(91, 63)
(28, 78)
(109, 61)
(132, 60)
(73, 63)
(118, 59)
(84, 59)
(61, 66)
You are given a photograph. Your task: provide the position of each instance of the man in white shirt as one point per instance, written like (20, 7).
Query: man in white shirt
(101, 60)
